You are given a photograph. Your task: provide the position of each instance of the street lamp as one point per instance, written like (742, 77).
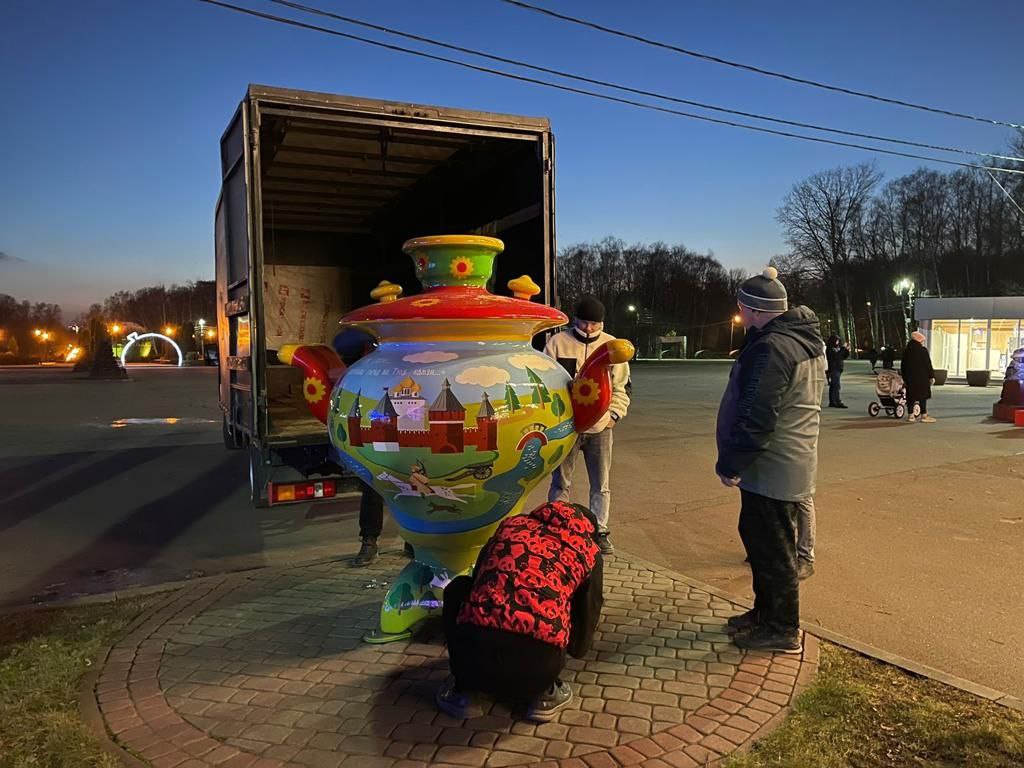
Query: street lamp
(736, 320)
(632, 308)
(115, 328)
(168, 331)
(202, 343)
(905, 286)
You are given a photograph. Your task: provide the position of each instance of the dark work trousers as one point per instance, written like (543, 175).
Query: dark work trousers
(768, 529)
(833, 389)
(371, 513)
(511, 667)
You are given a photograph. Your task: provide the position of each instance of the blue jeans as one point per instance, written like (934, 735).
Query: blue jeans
(597, 453)
(833, 389)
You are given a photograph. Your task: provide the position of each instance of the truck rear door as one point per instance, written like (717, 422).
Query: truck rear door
(234, 283)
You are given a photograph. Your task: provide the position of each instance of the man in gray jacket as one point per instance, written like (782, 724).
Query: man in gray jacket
(768, 447)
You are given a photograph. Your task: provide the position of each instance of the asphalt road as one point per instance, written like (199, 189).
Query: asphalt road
(105, 485)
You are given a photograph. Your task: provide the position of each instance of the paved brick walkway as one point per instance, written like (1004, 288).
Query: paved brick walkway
(268, 669)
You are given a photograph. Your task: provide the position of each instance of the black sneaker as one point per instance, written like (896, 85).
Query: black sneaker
(455, 703)
(545, 707)
(766, 639)
(842, 405)
(804, 569)
(603, 543)
(743, 621)
(367, 552)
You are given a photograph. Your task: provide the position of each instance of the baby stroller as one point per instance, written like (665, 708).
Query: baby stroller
(891, 393)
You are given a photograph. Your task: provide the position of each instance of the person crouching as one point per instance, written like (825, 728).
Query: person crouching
(535, 595)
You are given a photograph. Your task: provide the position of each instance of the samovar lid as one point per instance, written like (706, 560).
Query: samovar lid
(455, 303)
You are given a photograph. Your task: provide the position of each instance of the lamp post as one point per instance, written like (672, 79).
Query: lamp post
(905, 288)
(202, 335)
(632, 308)
(736, 320)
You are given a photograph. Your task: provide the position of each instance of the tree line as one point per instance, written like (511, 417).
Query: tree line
(856, 244)
(652, 291)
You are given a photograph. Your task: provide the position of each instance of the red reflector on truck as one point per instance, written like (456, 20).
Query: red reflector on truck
(305, 491)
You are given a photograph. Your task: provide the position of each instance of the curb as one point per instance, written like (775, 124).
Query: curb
(865, 649)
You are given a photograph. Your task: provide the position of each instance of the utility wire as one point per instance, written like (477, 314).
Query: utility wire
(627, 89)
(594, 94)
(1008, 195)
(756, 70)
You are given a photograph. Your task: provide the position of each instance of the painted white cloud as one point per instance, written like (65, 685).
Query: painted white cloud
(534, 362)
(430, 357)
(483, 376)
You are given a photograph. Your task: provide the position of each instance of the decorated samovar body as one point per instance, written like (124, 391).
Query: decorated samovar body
(454, 418)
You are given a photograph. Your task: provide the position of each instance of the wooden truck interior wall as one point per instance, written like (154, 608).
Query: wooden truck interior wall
(338, 195)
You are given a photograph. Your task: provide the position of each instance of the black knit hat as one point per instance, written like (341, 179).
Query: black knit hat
(764, 292)
(589, 308)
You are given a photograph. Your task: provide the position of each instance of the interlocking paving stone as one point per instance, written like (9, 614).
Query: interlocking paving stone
(269, 669)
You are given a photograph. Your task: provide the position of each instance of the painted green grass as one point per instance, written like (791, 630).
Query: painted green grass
(43, 657)
(860, 713)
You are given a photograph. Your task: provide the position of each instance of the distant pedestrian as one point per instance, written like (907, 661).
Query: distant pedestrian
(571, 348)
(888, 358)
(535, 595)
(918, 376)
(835, 353)
(767, 437)
(873, 356)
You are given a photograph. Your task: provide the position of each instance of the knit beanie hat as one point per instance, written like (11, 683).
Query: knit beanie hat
(589, 308)
(764, 292)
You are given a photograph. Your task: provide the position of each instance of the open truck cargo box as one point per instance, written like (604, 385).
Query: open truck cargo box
(318, 194)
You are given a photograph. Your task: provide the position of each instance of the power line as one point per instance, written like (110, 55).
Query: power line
(595, 94)
(628, 89)
(756, 70)
(1008, 195)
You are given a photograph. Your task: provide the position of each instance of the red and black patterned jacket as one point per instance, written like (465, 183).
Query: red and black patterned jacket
(540, 575)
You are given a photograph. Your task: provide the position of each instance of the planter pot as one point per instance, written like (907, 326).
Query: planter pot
(978, 378)
(940, 376)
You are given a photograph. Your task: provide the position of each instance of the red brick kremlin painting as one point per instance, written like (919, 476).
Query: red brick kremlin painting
(401, 419)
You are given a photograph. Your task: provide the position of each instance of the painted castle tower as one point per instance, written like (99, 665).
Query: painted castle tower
(400, 420)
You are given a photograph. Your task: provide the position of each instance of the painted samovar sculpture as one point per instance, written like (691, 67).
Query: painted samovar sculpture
(455, 417)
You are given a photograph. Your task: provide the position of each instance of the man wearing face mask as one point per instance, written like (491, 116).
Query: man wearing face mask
(571, 348)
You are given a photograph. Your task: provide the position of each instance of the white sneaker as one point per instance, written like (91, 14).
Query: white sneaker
(926, 419)
(911, 419)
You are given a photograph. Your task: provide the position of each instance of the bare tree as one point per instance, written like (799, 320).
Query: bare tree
(819, 217)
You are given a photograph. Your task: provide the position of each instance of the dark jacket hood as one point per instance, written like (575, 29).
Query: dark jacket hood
(799, 324)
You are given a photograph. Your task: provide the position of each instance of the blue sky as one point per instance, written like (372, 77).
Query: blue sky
(112, 110)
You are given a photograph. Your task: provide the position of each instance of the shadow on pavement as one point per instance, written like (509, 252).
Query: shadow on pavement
(869, 423)
(134, 541)
(33, 501)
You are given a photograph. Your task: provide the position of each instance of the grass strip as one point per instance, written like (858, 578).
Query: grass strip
(43, 657)
(861, 713)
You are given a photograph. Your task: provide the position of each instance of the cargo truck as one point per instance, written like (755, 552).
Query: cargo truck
(318, 194)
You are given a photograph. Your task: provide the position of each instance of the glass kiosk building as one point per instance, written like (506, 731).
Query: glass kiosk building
(977, 333)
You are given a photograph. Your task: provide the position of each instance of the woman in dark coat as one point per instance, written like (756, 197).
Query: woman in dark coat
(918, 375)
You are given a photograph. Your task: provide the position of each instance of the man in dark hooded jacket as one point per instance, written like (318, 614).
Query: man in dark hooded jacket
(768, 447)
(535, 594)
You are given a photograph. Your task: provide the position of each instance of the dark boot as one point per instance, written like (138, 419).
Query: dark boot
(367, 552)
(764, 638)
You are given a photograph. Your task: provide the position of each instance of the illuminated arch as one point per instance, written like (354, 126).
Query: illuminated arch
(132, 338)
